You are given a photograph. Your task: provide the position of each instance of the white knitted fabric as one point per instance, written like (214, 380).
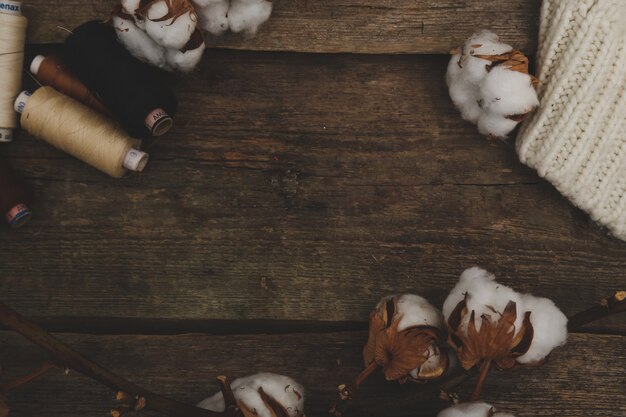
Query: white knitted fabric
(577, 137)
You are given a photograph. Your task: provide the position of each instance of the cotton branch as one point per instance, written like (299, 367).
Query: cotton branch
(66, 357)
(606, 307)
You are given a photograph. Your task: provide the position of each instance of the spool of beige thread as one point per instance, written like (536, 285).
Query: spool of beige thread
(80, 131)
(12, 37)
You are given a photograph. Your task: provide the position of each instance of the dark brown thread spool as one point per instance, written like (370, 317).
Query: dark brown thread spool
(15, 196)
(53, 72)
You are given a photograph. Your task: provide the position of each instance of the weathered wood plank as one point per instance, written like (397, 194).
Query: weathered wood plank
(359, 26)
(333, 179)
(584, 378)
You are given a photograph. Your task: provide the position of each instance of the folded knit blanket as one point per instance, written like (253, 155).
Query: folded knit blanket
(577, 137)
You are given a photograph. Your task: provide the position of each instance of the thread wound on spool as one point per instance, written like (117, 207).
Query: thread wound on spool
(15, 196)
(131, 89)
(78, 130)
(52, 71)
(12, 36)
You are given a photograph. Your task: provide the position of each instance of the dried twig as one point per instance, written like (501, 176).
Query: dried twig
(606, 307)
(66, 357)
(38, 373)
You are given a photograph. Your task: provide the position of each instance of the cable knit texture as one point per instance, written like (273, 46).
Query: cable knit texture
(577, 137)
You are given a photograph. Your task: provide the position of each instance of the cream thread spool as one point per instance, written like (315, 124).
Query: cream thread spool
(12, 38)
(80, 131)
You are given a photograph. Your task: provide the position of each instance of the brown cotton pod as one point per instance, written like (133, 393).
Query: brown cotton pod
(514, 60)
(497, 340)
(15, 196)
(403, 354)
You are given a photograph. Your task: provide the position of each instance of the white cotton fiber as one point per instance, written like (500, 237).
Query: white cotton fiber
(173, 33)
(138, 43)
(130, 6)
(495, 125)
(465, 98)
(505, 92)
(163, 44)
(284, 390)
(550, 326)
(417, 311)
(184, 61)
(549, 323)
(473, 409)
(487, 96)
(482, 291)
(218, 16)
(247, 15)
(213, 15)
(485, 43)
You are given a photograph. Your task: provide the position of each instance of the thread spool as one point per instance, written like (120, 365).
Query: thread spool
(80, 131)
(14, 197)
(133, 91)
(52, 71)
(12, 37)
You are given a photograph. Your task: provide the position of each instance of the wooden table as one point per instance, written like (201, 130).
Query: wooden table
(300, 185)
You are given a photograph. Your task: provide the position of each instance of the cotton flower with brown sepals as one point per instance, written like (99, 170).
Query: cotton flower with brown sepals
(489, 83)
(472, 409)
(404, 340)
(490, 323)
(164, 33)
(262, 395)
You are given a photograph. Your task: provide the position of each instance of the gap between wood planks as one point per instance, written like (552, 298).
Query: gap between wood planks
(172, 327)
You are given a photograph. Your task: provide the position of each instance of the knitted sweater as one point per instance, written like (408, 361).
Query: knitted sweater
(577, 137)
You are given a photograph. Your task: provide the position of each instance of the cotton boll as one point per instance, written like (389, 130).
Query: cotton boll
(505, 92)
(482, 291)
(453, 72)
(247, 15)
(485, 43)
(171, 33)
(550, 328)
(184, 61)
(284, 390)
(473, 409)
(213, 15)
(464, 97)
(495, 125)
(138, 43)
(417, 311)
(130, 6)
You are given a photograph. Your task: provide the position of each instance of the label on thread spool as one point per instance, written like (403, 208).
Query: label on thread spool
(11, 7)
(158, 122)
(135, 160)
(21, 100)
(18, 215)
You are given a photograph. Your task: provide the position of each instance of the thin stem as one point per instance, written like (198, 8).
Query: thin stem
(606, 307)
(484, 370)
(26, 379)
(346, 391)
(232, 408)
(66, 357)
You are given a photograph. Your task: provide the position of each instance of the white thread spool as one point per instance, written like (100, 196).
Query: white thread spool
(94, 139)
(12, 38)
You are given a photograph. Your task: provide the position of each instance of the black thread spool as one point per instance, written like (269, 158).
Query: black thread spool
(135, 92)
(15, 196)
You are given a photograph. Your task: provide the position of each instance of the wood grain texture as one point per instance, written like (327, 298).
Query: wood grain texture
(357, 26)
(584, 378)
(299, 187)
